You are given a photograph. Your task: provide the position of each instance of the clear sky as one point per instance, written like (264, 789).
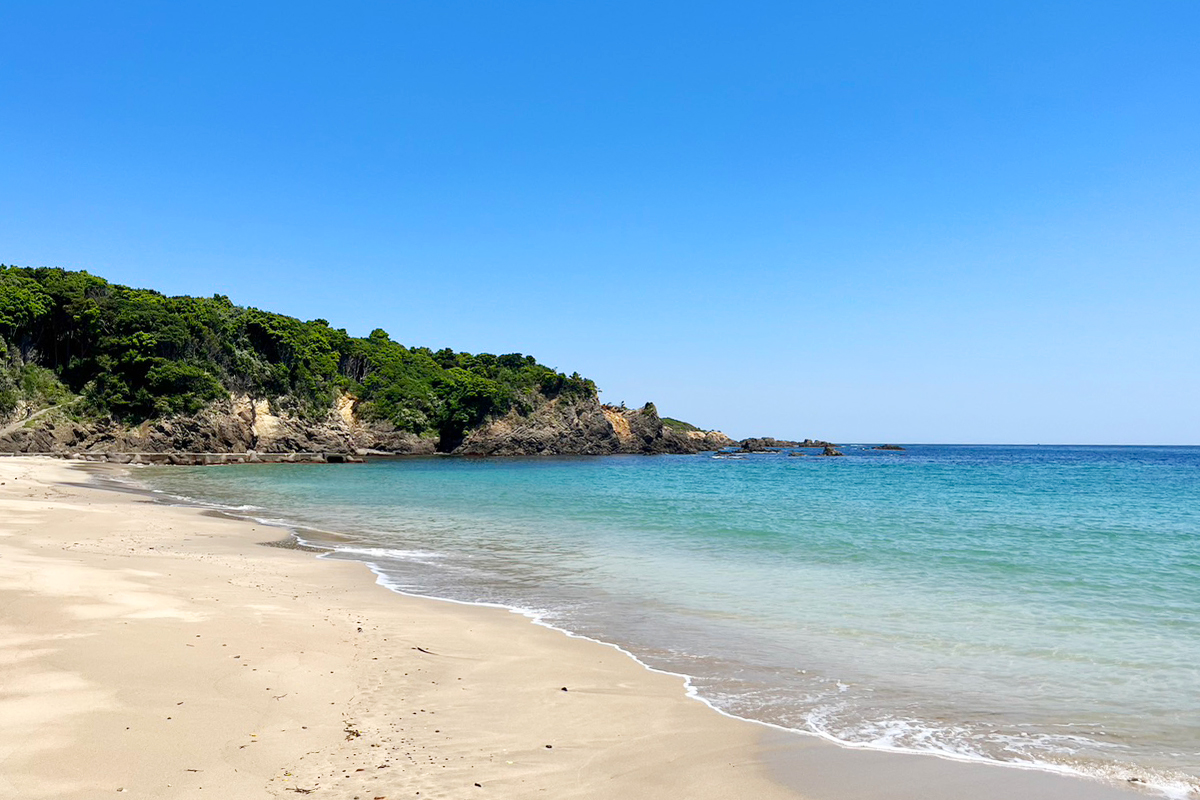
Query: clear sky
(874, 221)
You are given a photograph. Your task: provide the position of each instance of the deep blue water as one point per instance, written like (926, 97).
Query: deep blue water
(1015, 603)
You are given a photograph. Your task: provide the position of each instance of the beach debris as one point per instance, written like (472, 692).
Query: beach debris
(564, 688)
(426, 652)
(351, 733)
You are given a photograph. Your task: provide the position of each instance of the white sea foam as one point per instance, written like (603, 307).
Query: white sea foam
(392, 553)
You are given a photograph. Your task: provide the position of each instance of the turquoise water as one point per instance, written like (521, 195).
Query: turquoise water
(1038, 605)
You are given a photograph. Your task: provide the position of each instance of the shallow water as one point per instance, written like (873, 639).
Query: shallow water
(1029, 604)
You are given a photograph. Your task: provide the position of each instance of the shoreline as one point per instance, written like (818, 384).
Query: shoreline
(632, 732)
(323, 542)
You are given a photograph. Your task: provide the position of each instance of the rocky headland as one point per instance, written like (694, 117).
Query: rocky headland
(100, 370)
(250, 428)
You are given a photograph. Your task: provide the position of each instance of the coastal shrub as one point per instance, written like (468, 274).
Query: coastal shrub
(8, 394)
(40, 386)
(36, 387)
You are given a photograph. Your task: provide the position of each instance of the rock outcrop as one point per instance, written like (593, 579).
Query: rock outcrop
(238, 424)
(586, 427)
(764, 444)
(767, 444)
(711, 440)
(243, 425)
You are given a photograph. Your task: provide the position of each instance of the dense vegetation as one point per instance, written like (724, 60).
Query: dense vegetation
(135, 354)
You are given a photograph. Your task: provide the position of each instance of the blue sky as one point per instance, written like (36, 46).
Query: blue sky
(929, 221)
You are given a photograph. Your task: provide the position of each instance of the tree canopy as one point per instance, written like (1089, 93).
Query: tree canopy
(136, 354)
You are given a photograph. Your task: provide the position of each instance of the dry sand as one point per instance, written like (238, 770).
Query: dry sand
(159, 652)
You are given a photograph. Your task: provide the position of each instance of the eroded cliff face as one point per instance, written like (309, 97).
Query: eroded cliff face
(584, 427)
(710, 440)
(642, 431)
(241, 424)
(238, 424)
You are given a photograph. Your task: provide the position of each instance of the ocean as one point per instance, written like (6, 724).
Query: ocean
(1037, 605)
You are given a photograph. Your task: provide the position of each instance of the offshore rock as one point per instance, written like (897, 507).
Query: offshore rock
(767, 444)
(764, 444)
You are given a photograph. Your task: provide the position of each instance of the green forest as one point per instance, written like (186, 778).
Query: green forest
(136, 354)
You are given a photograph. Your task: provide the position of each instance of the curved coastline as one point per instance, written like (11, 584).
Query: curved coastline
(1080, 783)
(131, 689)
